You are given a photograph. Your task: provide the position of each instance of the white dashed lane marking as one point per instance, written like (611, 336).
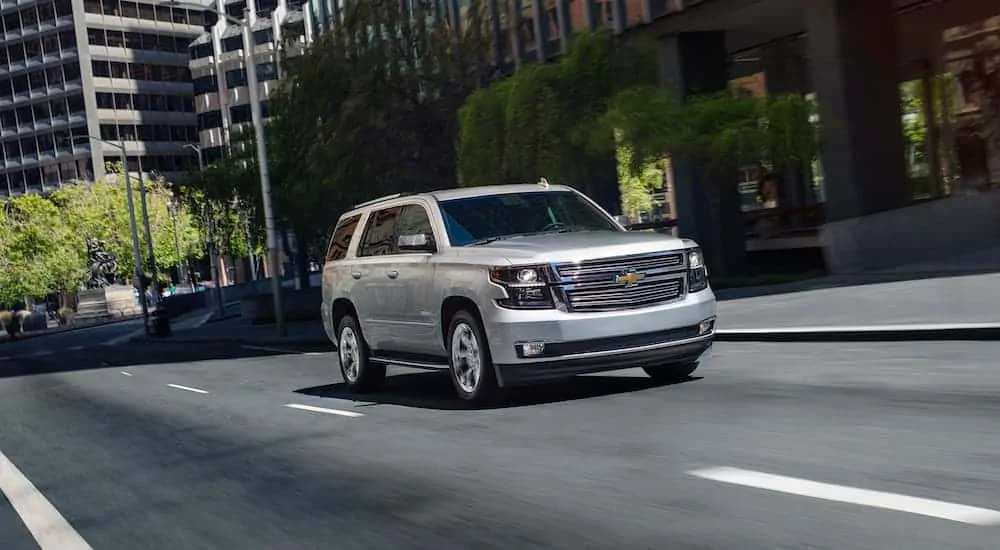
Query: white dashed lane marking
(186, 388)
(838, 493)
(310, 408)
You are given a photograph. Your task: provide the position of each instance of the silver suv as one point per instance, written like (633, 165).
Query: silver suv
(509, 285)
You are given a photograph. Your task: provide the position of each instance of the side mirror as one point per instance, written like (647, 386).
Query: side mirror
(417, 242)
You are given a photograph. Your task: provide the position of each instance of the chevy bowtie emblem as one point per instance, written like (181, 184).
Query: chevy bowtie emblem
(629, 278)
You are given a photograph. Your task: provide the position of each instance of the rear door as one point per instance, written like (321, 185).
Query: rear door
(372, 295)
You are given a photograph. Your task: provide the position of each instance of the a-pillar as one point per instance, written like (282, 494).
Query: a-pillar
(854, 57)
(696, 63)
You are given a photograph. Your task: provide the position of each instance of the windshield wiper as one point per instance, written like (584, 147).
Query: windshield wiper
(487, 240)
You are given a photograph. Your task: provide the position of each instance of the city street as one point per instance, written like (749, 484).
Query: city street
(71, 340)
(225, 446)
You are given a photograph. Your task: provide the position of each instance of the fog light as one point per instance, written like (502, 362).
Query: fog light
(531, 349)
(706, 326)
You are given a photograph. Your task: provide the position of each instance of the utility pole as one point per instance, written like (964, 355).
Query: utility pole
(182, 276)
(273, 248)
(155, 283)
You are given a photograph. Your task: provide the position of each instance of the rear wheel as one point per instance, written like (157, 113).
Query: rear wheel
(360, 374)
(470, 363)
(674, 372)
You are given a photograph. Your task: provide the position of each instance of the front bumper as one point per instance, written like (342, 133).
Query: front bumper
(579, 343)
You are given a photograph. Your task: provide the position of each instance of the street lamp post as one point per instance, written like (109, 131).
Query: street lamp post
(213, 259)
(265, 177)
(154, 282)
(132, 225)
(181, 264)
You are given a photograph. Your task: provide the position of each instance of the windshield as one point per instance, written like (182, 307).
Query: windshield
(478, 220)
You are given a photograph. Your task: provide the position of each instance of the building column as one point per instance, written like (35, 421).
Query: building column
(785, 72)
(696, 63)
(854, 60)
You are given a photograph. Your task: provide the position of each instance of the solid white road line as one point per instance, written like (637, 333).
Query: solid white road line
(186, 388)
(864, 497)
(49, 528)
(348, 414)
(860, 328)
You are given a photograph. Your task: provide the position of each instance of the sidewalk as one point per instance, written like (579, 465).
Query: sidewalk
(935, 307)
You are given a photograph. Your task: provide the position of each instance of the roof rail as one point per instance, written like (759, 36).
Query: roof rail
(381, 199)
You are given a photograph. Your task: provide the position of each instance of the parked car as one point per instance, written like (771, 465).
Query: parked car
(509, 285)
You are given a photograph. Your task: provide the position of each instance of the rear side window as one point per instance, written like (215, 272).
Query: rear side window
(380, 234)
(341, 239)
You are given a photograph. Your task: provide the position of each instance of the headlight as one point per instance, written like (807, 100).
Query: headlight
(697, 271)
(526, 286)
(695, 259)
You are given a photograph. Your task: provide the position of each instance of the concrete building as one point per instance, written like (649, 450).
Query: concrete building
(218, 70)
(107, 68)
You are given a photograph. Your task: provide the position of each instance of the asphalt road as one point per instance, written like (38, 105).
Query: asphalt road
(72, 340)
(124, 444)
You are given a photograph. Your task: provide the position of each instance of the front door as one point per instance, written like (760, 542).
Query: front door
(409, 284)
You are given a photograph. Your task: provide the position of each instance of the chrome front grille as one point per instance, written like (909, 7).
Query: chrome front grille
(593, 285)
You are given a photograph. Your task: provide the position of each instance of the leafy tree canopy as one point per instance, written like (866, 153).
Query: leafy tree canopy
(38, 254)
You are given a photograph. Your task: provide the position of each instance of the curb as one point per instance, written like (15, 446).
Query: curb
(51, 332)
(874, 333)
(237, 340)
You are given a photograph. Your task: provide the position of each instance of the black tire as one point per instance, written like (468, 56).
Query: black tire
(368, 377)
(675, 372)
(485, 390)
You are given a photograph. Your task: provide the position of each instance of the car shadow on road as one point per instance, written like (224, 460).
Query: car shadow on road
(434, 390)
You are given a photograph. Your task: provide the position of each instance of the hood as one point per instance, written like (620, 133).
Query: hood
(577, 246)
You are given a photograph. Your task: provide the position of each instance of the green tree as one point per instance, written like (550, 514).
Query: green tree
(369, 109)
(100, 210)
(548, 120)
(37, 252)
(636, 187)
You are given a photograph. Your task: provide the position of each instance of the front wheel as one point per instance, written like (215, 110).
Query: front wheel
(677, 372)
(360, 374)
(470, 363)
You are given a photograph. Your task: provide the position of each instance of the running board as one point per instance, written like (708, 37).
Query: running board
(409, 363)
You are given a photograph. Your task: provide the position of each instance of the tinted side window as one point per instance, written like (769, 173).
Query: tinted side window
(414, 220)
(380, 234)
(342, 238)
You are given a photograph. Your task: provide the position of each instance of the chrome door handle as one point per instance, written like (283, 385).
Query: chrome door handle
(356, 274)
(393, 274)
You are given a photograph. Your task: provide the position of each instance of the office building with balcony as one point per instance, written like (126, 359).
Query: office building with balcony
(218, 69)
(116, 70)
